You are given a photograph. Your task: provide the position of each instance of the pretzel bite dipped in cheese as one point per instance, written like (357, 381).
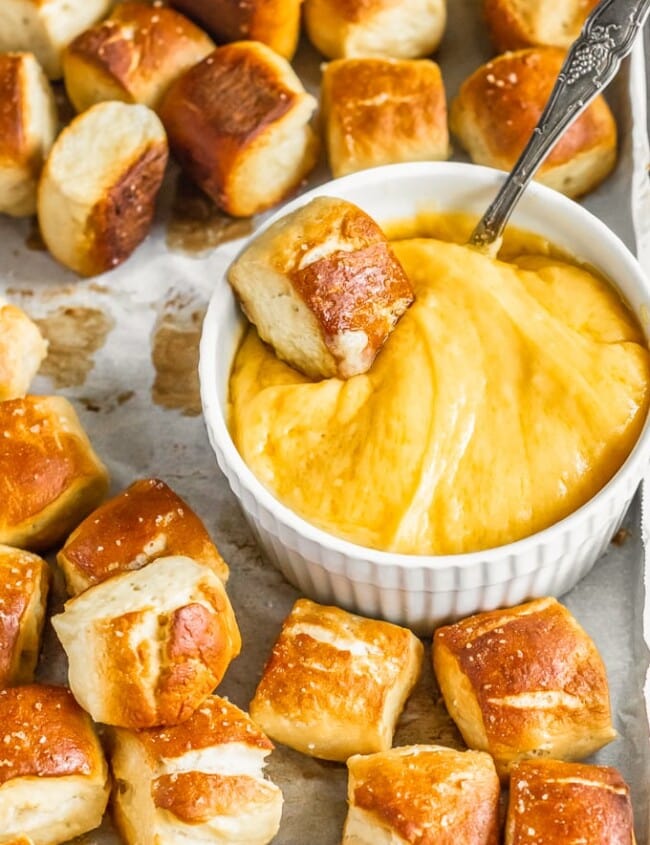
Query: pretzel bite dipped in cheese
(380, 111)
(201, 781)
(421, 795)
(144, 522)
(513, 24)
(50, 477)
(98, 188)
(323, 287)
(238, 124)
(524, 682)
(22, 350)
(28, 126)
(134, 56)
(45, 27)
(398, 29)
(275, 23)
(551, 801)
(335, 683)
(498, 107)
(146, 648)
(54, 782)
(24, 584)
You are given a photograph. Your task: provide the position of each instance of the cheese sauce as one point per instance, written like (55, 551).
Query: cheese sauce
(507, 396)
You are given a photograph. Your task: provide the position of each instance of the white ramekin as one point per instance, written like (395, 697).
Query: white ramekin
(417, 590)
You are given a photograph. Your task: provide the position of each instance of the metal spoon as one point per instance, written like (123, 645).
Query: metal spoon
(590, 65)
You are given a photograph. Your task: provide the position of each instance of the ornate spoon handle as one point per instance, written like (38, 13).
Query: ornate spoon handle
(591, 63)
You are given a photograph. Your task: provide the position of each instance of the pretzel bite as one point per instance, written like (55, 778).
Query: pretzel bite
(22, 350)
(133, 56)
(28, 126)
(238, 123)
(53, 776)
(146, 648)
(45, 27)
(199, 781)
(523, 682)
(275, 23)
(323, 287)
(50, 477)
(381, 111)
(498, 107)
(97, 193)
(513, 24)
(422, 795)
(398, 29)
(335, 683)
(24, 584)
(141, 524)
(552, 801)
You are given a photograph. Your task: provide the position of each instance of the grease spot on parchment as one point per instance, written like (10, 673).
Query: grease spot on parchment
(74, 334)
(196, 225)
(15, 293)
(621, 537)
(34, 239)
(175, 356)
(105, 403)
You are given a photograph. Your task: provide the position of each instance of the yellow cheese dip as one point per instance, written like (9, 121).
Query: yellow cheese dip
(507, 396)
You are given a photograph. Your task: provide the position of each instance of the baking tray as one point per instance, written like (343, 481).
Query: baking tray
(124, 349)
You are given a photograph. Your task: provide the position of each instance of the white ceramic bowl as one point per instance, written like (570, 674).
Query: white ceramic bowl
(417, 590)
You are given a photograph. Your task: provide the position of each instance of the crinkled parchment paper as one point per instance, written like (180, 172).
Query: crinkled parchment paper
(124, 349)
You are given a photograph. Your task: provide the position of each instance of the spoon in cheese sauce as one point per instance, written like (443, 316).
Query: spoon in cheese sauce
(591, 63)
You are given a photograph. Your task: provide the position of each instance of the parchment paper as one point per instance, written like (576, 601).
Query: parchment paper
(640, 76)
(124, 350)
